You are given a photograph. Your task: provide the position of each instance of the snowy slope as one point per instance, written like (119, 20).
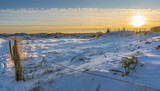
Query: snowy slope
(102, 54)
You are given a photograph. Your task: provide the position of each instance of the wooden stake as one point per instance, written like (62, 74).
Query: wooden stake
(17, 61)
(11, 50)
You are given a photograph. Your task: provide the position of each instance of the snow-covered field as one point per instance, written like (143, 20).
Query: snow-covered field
(57, 64)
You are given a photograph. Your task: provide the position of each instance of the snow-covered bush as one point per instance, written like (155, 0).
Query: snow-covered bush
(128, 64)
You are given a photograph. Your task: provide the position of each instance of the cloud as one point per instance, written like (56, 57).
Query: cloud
(73, 16)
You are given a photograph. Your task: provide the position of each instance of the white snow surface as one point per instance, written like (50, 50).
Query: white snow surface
(39, 56)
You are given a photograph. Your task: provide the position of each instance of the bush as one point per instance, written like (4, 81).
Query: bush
(129, 64)
(155, 29)
(98, 34)
(108, 30)
(158, 47)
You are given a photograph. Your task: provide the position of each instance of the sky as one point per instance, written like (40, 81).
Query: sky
(16, 4)
(74, 15)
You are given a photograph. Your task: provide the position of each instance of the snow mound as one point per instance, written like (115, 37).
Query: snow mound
(59, 64)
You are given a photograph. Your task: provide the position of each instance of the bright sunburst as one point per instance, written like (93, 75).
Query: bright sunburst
(138, 21)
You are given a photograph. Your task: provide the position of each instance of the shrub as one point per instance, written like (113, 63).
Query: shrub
(155, 29)
(158, 47)
(124, 29)
(137, 32)
(108, 30)
(129, 64)
(99, 34)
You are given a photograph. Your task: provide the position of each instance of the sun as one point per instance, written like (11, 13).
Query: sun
(138, 20)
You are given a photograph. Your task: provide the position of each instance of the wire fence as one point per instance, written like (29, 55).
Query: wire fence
(94, 74)
(99, 75)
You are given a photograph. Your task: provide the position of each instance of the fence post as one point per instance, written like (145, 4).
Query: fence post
(11, 50)
(17, 61)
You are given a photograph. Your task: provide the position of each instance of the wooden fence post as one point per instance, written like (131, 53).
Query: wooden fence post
(17, 61)
(11, 50)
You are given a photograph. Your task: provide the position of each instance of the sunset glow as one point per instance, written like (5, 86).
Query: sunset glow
(75, 19)
(79, 45)
(138, 21)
